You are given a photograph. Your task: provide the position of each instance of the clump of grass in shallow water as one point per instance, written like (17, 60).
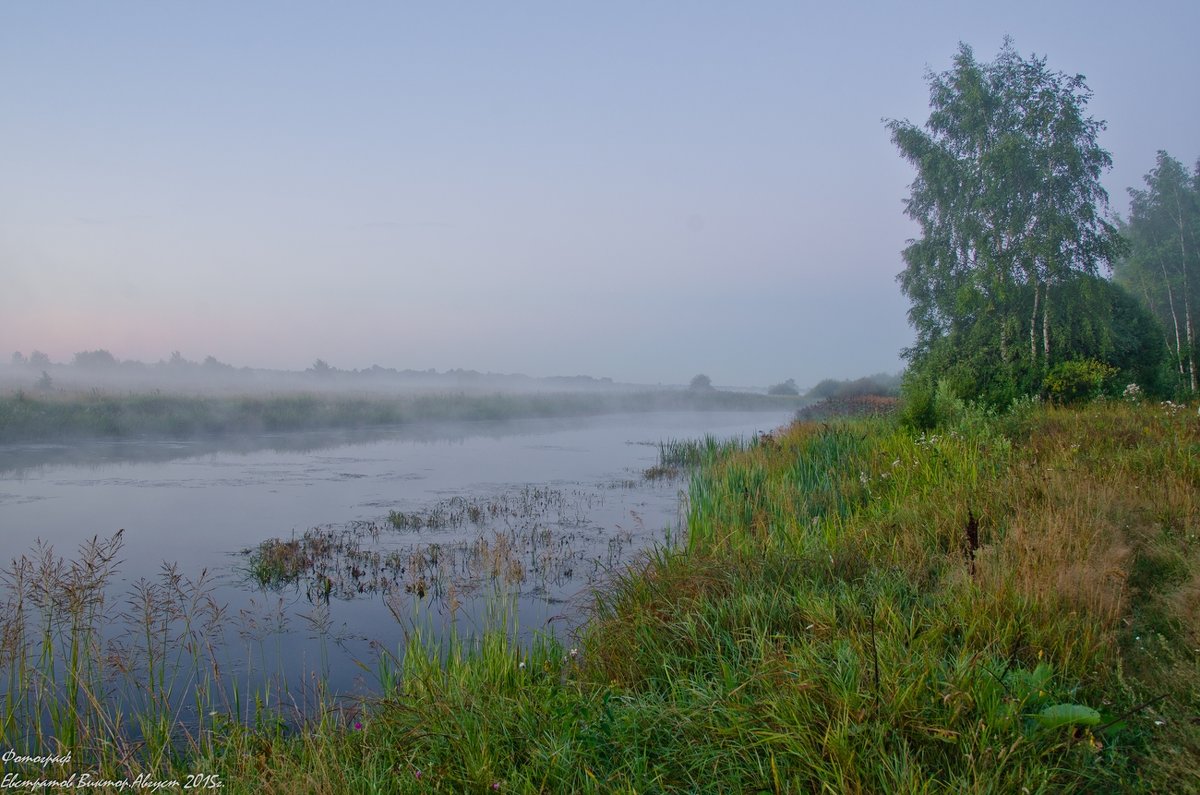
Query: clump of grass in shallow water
(538, 535)
(524, 504)
(276, 562)
(676, 456)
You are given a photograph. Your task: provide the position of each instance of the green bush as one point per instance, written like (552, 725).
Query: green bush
(1078, 380)
(917, 404)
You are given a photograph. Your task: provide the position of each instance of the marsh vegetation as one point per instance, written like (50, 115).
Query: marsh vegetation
(536, 536)
(1006, 602)
(36, 417)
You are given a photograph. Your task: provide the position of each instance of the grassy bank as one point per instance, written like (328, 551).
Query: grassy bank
(55, 416)
(1007, 604)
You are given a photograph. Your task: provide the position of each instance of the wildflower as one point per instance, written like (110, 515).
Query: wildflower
(416, 774)
(496, 786)
(358, 725)
(521, 665)
(574, 652)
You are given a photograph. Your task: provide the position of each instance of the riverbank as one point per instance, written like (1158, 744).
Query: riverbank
(1006, 603)
(56, 416)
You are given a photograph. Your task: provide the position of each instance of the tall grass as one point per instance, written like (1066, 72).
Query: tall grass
(676, 456)
(97, 674)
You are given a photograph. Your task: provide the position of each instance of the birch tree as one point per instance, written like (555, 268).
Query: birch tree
(1163, 262)
(1010, 208)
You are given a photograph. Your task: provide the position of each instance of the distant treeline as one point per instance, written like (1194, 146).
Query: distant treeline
(101, 368)
(882, 384)
(26, 417)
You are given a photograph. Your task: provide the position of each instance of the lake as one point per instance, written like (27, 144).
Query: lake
(322, 551)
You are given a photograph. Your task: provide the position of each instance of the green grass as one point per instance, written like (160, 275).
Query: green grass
(1006, 604)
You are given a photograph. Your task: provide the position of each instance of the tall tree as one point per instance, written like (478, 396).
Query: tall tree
(1163, 262)
(1010, 206)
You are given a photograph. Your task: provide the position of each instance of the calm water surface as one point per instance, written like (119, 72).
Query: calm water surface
(548, 508)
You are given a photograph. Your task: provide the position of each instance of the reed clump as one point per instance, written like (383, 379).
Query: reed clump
(109, 681)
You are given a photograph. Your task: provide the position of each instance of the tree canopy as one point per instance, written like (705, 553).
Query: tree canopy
(96, 358)
(788, 387)
(1012, 220)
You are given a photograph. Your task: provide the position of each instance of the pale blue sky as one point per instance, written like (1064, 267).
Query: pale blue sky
(637, 190)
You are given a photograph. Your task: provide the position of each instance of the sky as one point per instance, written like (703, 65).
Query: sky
(637, 190)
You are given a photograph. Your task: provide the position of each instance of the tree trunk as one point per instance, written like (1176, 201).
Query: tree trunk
(1187, 294)
(1174, 316)
(1033, 327)
(1191, 348)
(1189, 331)
(1046, 327)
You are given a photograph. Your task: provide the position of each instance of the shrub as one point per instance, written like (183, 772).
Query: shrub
(1077, 380)
(917, 404)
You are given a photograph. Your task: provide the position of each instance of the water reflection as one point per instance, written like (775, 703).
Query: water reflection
(17, 459)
